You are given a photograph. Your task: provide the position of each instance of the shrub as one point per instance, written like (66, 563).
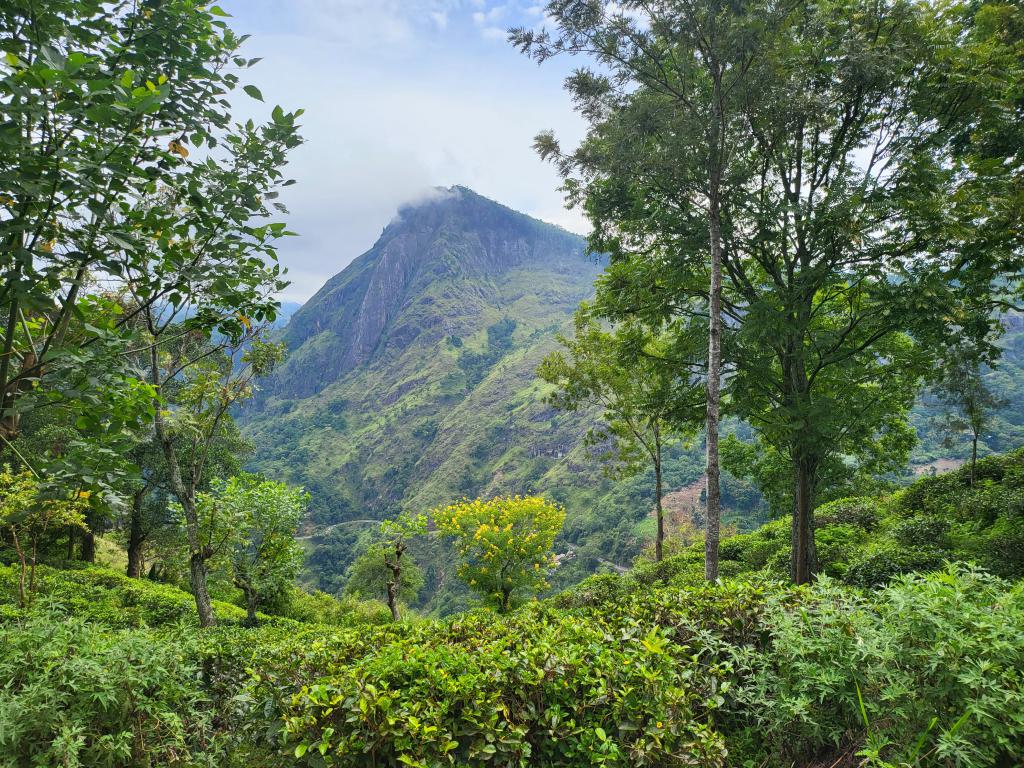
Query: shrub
(633, 682)
(1000, 548)
(860, 512)
(320, 608)
(924, 672)
(881, 563)
(592, 591)
(76, 694)
(112, 599)
(922, 532)
(837, 544)
(687, 568)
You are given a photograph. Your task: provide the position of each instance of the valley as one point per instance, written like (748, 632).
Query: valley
(411, 380)
(674, 416)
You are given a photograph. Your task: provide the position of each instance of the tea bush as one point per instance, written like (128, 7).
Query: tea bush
(651, 668)
(75, 694)
(619, 672)
(631, 683)
(103, 596)
(870, 541)
(927, 671)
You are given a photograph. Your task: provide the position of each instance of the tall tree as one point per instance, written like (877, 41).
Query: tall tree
(644, 401)
(968, 400)
(258, 520)
(147, 517)
(685, 68)
(201, 285)
(211, 379)
(385, 568)
(119, 162)
(849, 256)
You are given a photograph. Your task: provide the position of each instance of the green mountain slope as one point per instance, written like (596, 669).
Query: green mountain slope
(411, 375)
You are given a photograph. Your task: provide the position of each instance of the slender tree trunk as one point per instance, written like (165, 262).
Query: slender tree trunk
(393, 599)
(197, 579)
(250, 607)
(803, 557)
(714, 383)
(136, 563)
(197, 552)
(974, 455)
(136, 537)
(8, 419)
(32, 569)
(71, 543)
(87, 549)
(21, 560)
(394, 584)
(659, 541)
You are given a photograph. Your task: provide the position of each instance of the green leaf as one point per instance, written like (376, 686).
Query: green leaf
(863, 709)
(300, 750)
(253, 91)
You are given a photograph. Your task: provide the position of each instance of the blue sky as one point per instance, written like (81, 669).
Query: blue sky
(401, 96)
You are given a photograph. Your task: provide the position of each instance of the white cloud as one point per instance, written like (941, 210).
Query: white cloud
(490, 16)
(398, 101)
(494, 33)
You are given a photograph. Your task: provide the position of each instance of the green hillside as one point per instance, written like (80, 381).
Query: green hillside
(411, 381)
(1005, 429)
(410, 376)
(653, 667)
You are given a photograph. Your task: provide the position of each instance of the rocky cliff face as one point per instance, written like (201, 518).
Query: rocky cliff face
(410, 378)
(456, 238)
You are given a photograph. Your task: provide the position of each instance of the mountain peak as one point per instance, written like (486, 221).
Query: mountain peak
(463, 207)
(452, 249)
(411, 375)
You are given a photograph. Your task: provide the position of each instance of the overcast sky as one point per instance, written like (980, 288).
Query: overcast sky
(401, 96)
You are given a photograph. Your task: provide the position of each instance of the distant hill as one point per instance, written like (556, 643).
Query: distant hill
(411, 382)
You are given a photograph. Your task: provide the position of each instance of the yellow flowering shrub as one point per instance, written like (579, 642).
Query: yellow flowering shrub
(504, 544)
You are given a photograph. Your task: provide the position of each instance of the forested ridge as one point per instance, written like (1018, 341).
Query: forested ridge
(736, 480)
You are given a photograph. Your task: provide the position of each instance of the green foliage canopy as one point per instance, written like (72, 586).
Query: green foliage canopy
(504, 544)
(253, 522)
(646, 399)
(856, 180)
